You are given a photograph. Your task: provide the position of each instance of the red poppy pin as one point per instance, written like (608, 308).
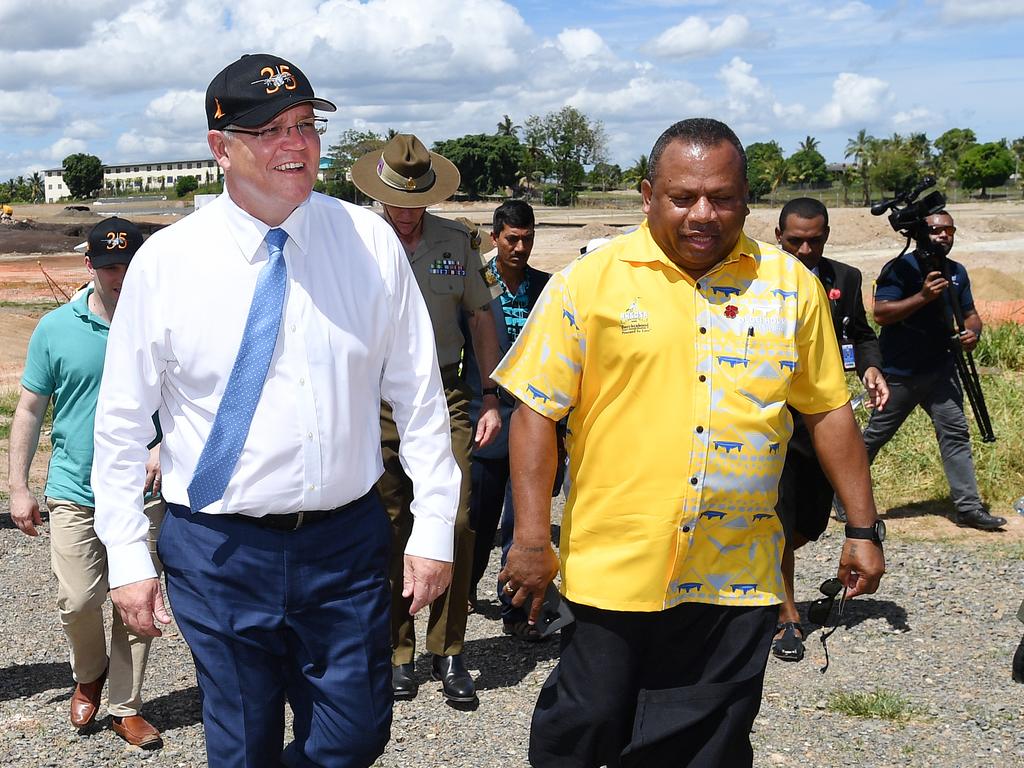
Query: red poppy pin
(731, 311)
(834, 294)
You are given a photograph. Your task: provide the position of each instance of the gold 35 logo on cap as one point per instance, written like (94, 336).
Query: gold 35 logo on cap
(274, 79)
(118, 240)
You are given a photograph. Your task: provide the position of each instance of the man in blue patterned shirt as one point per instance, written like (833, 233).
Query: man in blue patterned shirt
(512, 234)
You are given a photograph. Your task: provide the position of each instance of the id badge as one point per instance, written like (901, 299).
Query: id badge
(849, 362)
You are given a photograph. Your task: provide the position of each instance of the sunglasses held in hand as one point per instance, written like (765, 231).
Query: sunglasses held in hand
(821, 609)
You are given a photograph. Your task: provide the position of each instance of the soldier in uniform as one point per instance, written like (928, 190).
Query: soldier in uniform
(405, 178)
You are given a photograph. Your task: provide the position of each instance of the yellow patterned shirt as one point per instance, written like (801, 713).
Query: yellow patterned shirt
(676, 392)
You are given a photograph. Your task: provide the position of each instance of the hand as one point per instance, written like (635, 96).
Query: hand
(934, 285)
(424, 580)
(527, 573)
(877, 389)
(154, 478)
(969, 340)
(489, 424)
(861, 565)
(141, 604)
(25, 511)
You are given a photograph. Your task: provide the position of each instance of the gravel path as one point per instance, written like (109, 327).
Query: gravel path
(941, 634)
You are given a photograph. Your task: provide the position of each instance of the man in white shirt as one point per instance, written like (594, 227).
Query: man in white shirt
(275, 544)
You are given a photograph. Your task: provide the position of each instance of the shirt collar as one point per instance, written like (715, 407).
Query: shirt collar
(249, 232)
(80, 306)
(651, 251)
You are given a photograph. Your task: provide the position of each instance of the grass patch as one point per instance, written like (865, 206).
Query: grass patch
(8, 401)
(1001, 346)
(879, 704)
(41, 307)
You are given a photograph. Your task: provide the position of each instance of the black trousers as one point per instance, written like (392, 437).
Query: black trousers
(667, 689)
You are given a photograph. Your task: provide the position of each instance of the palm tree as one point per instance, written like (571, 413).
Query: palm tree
(808, 144)
(775, 171)
(860, 148)
(507, 128)
(921, 146)
(35, 187)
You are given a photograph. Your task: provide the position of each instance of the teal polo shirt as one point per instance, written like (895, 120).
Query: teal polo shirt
(65, 362)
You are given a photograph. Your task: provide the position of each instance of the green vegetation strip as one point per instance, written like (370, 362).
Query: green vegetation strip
(879, 704)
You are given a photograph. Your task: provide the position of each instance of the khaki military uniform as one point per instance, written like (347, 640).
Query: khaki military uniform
(448, 270)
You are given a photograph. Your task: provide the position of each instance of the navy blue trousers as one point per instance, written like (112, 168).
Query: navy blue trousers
(491, 493)
(270, 615)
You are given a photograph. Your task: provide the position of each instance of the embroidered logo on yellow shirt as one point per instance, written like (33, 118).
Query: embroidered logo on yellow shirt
(635, 319)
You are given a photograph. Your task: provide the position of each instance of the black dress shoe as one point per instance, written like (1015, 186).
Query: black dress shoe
(981, 520)
(458, 685)
(403, 684)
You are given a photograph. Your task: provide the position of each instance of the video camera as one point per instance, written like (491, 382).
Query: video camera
(907, 214)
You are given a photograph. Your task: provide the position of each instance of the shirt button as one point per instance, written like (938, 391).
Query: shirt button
(700, 430)
(302, 382)
(702, 377)
(309, 435)
(312, 487)
(686, 529)
(693, 481)
(703, 329)
(293, 327)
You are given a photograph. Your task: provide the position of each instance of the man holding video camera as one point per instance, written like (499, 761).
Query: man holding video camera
(911, 306)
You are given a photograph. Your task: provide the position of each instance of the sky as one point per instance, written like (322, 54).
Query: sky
(125, 79)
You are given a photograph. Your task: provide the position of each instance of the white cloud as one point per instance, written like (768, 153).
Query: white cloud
(28, 110)
(914, 119)
(84, 129)
(748, 99)
(63, 147)
(584, 47)
(668, 99)
(179, 110)
(981, 10)
(855, 100)
(696, 37)
(849, 12)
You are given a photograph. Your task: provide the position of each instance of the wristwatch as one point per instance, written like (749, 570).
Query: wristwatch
(490, 391)
(875, 533)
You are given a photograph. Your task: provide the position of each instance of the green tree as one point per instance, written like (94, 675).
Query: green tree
(570, 140)
(950, 147)
(36, 188)
(809, 144)
(985, 165)
(605, 176)
(507, 128)
(486, 163)
(893, 169)
(83, 174)
(353, 144)
(859, 149)
(185, 184)
(764, 159)
(636, 173)
(807, 167)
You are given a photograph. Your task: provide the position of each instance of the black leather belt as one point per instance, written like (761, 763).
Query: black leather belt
(292, 521)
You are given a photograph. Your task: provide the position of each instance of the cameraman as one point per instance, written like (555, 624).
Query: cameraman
(912, 306)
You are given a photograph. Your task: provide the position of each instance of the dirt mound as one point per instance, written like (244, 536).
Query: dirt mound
(997, 224)
(590, 231)
(989, 284)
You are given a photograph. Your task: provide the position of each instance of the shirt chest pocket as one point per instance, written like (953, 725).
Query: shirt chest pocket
(759, 366)
(446, 284)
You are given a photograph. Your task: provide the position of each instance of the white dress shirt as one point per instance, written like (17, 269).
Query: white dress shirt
(355, 330)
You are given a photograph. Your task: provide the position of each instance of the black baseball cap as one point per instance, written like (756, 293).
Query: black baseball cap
(113, 241)
(255, 89)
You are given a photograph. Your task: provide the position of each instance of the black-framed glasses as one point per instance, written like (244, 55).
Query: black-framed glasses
(821, 609)
(942, 228)
(307, 128)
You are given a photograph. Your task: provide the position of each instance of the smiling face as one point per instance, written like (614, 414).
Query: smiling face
(697, 204)
(269, 179)
(804, 238)
(107, 281)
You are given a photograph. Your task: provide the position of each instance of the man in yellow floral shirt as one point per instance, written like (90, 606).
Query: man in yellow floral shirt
(674, 350)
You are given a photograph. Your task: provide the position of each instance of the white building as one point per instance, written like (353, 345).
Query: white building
(138, 177)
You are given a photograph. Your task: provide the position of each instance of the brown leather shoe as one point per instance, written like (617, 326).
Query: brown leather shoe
(86, 700)
(137, 731)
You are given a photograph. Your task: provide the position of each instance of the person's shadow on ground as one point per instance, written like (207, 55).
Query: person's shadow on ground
(858, 610)
(25, 680)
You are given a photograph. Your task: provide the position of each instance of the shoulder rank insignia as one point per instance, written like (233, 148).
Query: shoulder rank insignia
(489, 279)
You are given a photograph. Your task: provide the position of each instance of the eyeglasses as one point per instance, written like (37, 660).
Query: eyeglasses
(948, 229)
(820, 610)
(306, 128)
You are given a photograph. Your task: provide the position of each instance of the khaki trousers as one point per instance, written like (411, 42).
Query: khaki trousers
(79, 562)
(446, 625)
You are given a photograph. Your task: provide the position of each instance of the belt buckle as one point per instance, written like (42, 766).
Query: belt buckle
(298, 521)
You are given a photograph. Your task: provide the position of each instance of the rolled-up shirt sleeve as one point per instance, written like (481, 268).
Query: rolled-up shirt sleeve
(411, 383)
(129, 395)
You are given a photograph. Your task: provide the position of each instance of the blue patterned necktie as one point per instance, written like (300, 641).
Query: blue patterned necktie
(234, 416)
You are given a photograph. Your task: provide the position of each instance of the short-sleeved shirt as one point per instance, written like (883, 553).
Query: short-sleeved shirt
(515, 306)
(676, 392)
(919, 343)
(65, 361)
(449, 272)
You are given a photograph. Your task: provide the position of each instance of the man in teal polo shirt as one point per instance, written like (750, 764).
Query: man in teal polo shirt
(65, 364)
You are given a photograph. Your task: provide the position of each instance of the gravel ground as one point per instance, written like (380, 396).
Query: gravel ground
(941, 633)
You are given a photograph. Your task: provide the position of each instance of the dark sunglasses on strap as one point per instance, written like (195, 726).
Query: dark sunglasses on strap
(821, 609)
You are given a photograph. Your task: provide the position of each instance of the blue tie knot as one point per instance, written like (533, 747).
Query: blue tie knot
(276, 238)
